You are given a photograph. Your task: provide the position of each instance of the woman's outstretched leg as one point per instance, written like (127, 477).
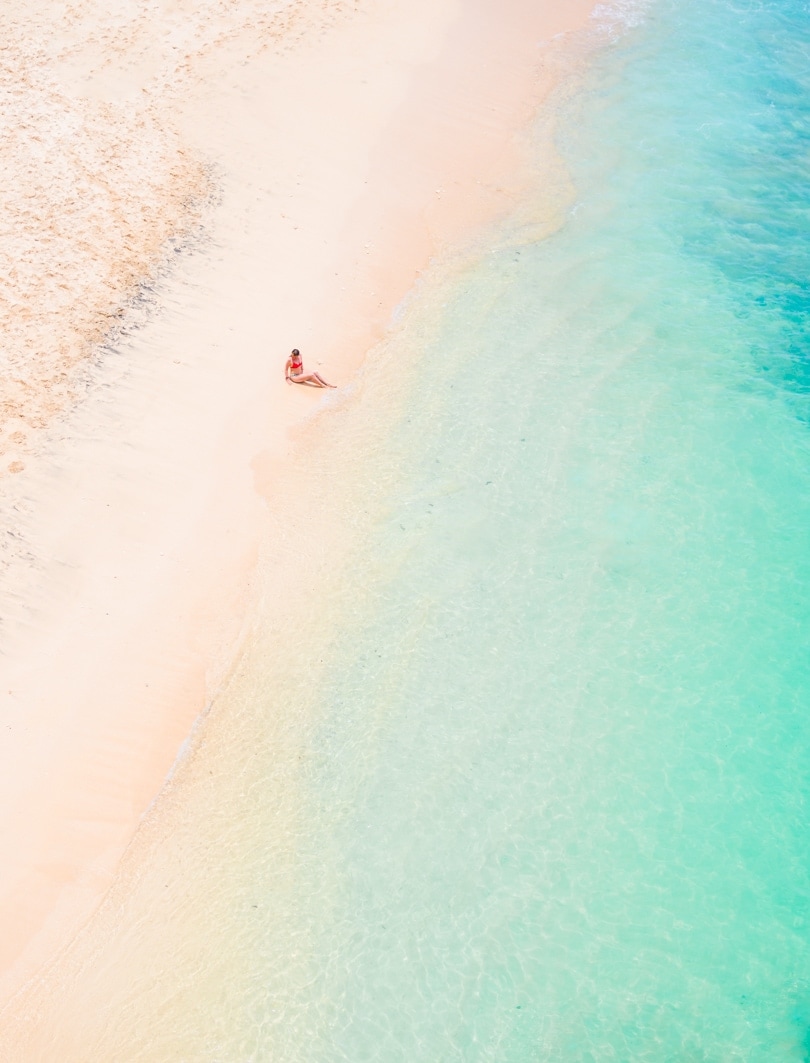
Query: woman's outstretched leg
(311, 378)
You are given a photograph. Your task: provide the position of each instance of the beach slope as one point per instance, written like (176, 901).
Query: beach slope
(288, 173)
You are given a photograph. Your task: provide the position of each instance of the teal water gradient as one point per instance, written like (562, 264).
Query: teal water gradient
(560, 792)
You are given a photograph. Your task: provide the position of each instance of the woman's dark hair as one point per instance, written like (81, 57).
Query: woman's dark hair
(295, 350)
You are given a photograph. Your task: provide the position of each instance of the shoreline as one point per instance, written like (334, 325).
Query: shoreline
(348, 189)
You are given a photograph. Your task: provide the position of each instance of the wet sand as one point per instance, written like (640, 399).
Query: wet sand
(280, 178)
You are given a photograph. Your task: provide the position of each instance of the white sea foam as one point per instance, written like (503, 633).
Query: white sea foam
(616, 17)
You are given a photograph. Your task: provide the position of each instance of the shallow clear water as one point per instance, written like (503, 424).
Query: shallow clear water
(563, 778)
(549, 799)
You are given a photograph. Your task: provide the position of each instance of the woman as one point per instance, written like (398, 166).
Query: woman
(294, 371)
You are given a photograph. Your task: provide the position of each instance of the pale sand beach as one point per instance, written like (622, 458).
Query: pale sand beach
(220, 186)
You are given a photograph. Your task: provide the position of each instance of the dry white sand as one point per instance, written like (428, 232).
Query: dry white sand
(329, 150)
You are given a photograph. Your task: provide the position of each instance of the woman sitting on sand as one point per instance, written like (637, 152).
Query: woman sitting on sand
(294, 371)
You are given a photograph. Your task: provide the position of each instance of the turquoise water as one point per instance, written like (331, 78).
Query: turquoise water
(560, 790)
(548, 799)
